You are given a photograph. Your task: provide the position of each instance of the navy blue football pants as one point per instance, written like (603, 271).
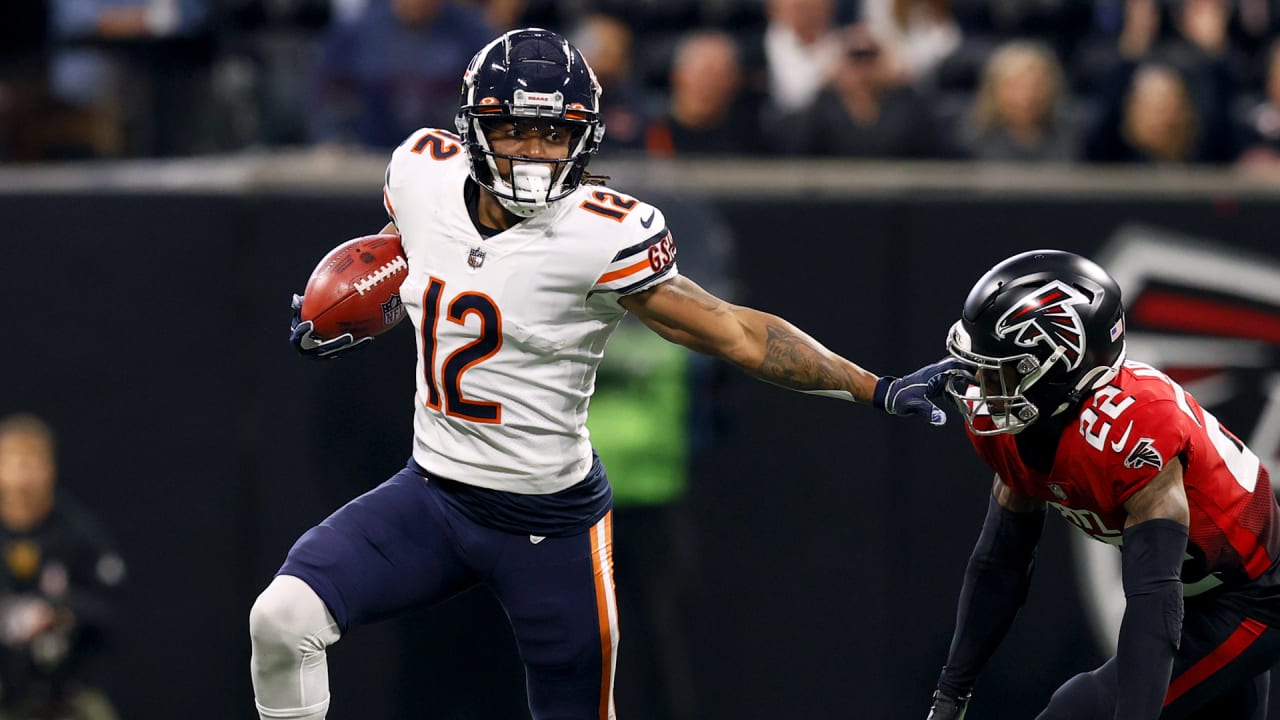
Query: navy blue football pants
(401, 546)
(1221, 672)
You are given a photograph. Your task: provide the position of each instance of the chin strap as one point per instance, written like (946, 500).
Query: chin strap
(1091, 381)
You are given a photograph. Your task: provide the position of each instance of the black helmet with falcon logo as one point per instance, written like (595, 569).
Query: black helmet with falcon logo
(1039, 330)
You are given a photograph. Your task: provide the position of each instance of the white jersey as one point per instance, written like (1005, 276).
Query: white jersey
(511, 329)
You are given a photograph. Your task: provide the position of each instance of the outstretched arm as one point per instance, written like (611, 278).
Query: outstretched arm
(995, 586)
(772, 349)
(1155, 542)
(763, 345)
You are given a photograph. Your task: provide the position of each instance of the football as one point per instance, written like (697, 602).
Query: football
(356, 288)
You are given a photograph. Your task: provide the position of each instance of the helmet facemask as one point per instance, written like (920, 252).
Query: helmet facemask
(530, 185)
(992, 396)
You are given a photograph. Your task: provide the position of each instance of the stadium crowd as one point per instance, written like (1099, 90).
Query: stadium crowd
(1053, 81)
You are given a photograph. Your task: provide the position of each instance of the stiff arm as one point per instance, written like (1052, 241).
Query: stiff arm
(765, 346)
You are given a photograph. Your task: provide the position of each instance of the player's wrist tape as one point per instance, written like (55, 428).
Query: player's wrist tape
(837, 394)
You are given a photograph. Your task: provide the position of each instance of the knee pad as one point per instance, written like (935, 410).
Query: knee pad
(290, 628)
(289, 618)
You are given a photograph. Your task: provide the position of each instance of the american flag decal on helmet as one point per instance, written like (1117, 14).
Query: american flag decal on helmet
(1117, 330)
(1047, 316)
(1144, 454)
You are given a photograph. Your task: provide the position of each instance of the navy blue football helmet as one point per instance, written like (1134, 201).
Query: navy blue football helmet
(1039, 331)
(530, 74)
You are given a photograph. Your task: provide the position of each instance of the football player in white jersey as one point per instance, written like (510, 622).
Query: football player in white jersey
(520, 267)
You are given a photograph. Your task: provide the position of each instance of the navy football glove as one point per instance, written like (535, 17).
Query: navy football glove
(946, 708)
(302, 340)
(914, 394)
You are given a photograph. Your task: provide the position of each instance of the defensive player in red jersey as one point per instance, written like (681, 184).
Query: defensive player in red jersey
(1127, 456)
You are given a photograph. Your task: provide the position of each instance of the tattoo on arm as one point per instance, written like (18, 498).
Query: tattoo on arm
(765, 346)
(792, 361)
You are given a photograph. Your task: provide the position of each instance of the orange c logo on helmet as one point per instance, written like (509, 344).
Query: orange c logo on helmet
(491, 100)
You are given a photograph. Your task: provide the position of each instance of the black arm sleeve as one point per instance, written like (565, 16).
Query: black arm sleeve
(995, 586)
(1152, 626)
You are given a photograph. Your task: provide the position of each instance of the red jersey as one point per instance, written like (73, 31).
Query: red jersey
(1123, 436)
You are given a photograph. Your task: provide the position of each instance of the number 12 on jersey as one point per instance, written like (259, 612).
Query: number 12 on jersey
(451, 401)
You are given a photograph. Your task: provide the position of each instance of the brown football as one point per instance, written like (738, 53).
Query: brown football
(356, 288)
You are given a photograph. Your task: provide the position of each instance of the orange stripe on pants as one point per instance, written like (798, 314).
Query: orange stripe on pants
(606, 608)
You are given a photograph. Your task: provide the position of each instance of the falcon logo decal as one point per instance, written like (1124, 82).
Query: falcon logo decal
(1144, 454)
(1048, 316)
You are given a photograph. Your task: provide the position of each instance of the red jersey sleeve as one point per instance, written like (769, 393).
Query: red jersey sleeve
(1142, 441)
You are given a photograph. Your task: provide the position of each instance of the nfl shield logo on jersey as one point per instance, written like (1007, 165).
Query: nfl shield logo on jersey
(392, 310)
(476, 258)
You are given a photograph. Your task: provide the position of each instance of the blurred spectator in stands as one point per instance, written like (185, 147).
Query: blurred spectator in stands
(605, 41)
(1166, 102)
(1260, 131)
(1254, 25)
(393, 69)
(706, 115)
(987, 24)
(23, 47)
(919, 34)
(127, 77)
(57, 572)
(1157, 123)
(868, 110)
(1017, 114)
(1193, 35)
(1202, 49)
(503, 15)
(266, 48)
(801, 49)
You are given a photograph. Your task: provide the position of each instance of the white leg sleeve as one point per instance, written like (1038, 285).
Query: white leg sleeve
(290, 628)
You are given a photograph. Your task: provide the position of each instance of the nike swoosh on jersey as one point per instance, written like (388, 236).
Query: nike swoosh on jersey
(1118, 445)
(535, 539)
(646, 222)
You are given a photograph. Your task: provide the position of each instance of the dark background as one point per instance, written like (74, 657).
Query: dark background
(149, 328)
